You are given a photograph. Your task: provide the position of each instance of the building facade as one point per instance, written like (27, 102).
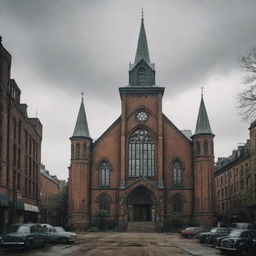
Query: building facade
(235, 182)
(20, 151)
(49, 186)
(142, 168)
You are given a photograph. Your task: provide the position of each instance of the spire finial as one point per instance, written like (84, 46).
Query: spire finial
(202, 91)
(142, 14)
(82, 94)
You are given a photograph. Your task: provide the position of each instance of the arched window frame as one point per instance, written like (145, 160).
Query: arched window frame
(142, 76)
(104, 173)
(141, 153)
(104, 201)
(84, 150)
(72, 151)
(177, 173)
(78, 150)
(206, 147)
(177, 204)
(198, 148)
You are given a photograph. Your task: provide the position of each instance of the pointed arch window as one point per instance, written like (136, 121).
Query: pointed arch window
(72, 151)
(104, 174)
(141, 154)
(142, 76)
(84, 150)
(178, 203)
(77, 150)
(198, 148)
(206, 147)
(177, 173)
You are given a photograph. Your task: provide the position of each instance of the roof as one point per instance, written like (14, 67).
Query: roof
(202, 124)
(81, 128)
(142, 47)
(187, 133)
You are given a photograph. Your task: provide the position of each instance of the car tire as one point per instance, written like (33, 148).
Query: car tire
(63, 240)
(29, 245)
(44, 243)
(244, 252)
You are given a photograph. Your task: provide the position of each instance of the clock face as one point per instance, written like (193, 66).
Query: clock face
(142, 116)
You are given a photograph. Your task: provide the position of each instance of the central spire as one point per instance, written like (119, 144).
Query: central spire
(142, 47)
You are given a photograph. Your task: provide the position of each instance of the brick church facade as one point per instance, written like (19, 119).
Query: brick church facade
(142, 168)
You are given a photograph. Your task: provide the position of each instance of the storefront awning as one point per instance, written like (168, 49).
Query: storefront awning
(31, 208)
(4, 200)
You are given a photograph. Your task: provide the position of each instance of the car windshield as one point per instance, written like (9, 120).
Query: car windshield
(23, 229)
(214, 230)
(235, 233)
(59, 229)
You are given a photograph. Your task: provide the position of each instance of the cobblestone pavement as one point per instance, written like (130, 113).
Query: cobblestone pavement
(125, 244)
(141, 244)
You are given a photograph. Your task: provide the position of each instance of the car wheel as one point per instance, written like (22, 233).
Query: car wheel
(44, 243)
(244, 252)
(29, 245)
(63, 240)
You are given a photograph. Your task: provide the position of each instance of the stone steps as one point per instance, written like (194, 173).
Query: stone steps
(141, 227)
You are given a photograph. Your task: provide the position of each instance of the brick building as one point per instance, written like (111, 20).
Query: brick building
(235, 182)
(49, 186)
(142, 168)
(20, 151)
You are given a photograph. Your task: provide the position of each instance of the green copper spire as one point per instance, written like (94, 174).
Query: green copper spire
(142, 47)
(81, 128)
(202, 124)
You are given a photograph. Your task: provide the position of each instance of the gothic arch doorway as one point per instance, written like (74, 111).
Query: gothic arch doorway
(141, 205)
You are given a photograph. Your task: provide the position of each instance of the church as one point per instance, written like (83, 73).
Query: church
(142, 168)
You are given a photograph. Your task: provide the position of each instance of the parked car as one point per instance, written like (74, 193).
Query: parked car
(242, 242)
(59, 235)
(242, 225)
(190, 232)
(207, 237)
(24, 236)
(46, 226)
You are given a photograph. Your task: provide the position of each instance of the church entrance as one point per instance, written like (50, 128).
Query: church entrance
(142, 212)
(140, 205)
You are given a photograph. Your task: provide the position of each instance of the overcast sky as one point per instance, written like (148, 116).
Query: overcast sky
(62, 47)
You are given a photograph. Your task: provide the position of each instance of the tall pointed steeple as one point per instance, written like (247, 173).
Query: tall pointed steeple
(142, 47)
(81, 128)
(202, 124)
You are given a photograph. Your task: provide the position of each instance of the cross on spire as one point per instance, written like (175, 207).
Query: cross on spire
(202, 91)
(142, 14)
(82, 94)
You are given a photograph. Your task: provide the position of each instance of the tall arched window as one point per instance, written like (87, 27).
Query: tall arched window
(177, 204)
(77, 150)
(142, 76)
(72, 151)
(177, 173)
(198, 149)
(84, 150)
(104, 174)
(141, 154)
(206, 147)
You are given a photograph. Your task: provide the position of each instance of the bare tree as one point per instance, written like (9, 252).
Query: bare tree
(247, 98)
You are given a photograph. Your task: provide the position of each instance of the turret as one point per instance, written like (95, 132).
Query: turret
(203, 161)
(79, 172)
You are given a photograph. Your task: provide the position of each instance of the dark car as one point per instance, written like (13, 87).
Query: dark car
(242, 225)
(206, 237)
(189, 232)
(222, 232)
(24, 236)
(59, 235)
(242, 242)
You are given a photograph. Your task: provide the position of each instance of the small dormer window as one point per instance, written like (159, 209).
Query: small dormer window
(142, 76)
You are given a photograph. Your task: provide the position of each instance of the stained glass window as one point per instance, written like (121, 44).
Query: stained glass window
(141, 154)
(177, 204)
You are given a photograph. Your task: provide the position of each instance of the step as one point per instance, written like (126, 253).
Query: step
(147, 227)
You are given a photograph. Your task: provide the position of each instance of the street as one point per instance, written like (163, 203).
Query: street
(127, 244)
